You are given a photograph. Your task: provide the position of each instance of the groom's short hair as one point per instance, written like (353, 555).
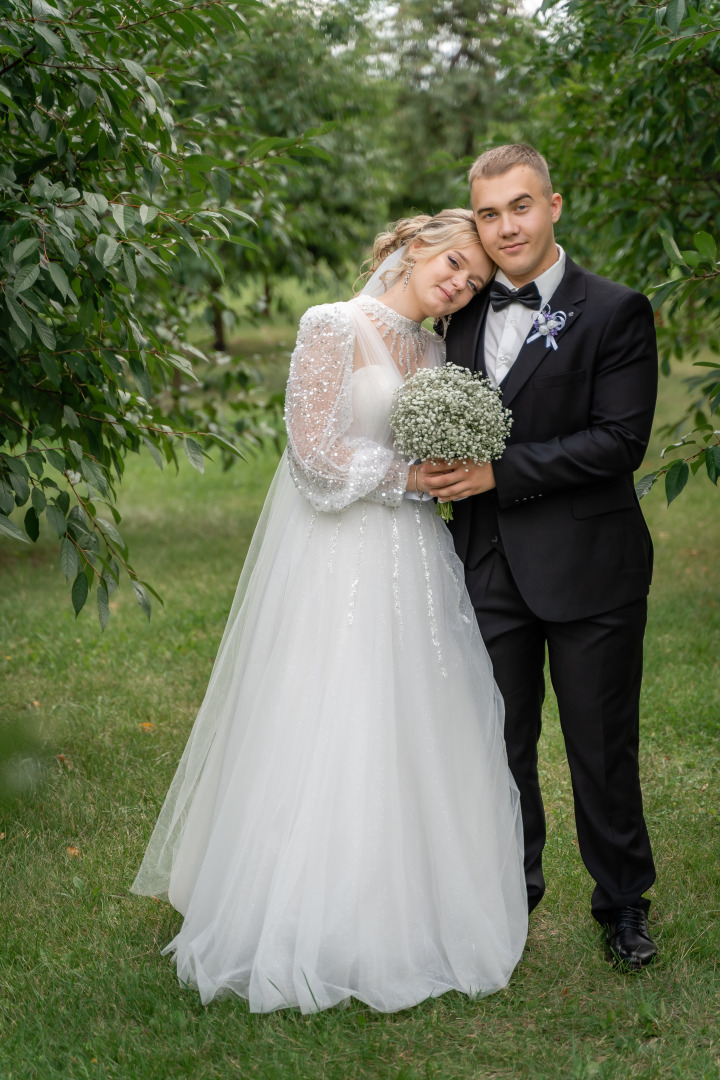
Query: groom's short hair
(502, 159)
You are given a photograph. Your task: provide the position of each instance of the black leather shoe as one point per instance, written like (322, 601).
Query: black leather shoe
(629, 939)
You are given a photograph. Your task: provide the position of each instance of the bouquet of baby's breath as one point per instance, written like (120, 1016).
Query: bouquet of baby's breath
(451, 414)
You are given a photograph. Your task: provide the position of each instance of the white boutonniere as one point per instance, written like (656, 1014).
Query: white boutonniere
(547, 324)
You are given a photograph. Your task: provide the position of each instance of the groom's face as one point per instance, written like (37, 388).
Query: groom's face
(515, 216)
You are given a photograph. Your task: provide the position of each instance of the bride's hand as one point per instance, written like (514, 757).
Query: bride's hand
(451, 480)
(418, 480)
(415, 481)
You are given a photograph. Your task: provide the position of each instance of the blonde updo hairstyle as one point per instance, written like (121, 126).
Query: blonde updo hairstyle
(425, 236)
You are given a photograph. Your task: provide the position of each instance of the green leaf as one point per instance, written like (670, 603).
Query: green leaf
(70, 417)
(16, 466)
(222, 184)
(21, 488)
(150, 589)
(26, 277)
(671, 249)
(154, 452)
(202, 162)
(706, 245)
(675, 14)
(75, 40)
(142, 597)
(79, 592)
(712, 463)
(20, 316)
(6, 98)
(94, 475)
(9, 528)
(45, 333)
(106, 248)
(103, 606)
(264, 146)
(194, 453)
(96, 201)
(42, 10)
(658, 298)
(32, 525)
(214, 262)
(76, 449)
(643, 485)
(130, 273)
(35, 462)
(39, 499)
(51, 38)
(187, 237)
(148, 214)
(111, 576)
(56, 459)
(242, 241)
(56, 520)
(68, 558)
(125, 216)
(675, 479)
(45, 431)
(154, 89)
(60, 280)
(112, 532)
(87, 96)
(135, 69)
(141, 377)
(24, 248)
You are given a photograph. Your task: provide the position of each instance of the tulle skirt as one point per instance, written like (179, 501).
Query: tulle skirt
(343, 822)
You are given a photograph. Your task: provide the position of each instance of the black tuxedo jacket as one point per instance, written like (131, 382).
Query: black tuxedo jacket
(564, 512)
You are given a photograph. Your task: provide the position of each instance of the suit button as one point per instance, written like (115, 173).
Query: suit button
(493, 539)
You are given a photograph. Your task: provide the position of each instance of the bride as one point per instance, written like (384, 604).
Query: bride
(343, 822)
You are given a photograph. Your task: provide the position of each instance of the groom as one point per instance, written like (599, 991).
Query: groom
(556, 551)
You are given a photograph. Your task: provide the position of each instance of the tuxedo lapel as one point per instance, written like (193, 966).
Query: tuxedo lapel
(464, 335)
(478, 350)
(568, 297)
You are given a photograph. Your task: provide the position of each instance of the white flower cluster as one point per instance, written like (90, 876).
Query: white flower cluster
(449, 413)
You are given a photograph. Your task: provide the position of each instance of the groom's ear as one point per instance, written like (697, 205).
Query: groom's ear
(556, 202)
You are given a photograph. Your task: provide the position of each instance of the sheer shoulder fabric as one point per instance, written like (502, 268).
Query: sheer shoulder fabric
(330, 466)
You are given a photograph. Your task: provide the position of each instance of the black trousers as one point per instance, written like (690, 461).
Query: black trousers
(596, 672)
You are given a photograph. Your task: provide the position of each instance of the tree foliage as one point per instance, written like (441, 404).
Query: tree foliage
(106, 179)
(457, 72)
(629, 119)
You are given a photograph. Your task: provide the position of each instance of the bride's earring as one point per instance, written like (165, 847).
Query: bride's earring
(409, 272)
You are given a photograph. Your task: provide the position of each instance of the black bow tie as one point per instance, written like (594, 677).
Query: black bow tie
(501, 296)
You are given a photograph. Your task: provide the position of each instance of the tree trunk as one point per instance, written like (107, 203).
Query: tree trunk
(219, 329)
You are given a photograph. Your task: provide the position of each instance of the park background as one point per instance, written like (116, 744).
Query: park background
(178, 182)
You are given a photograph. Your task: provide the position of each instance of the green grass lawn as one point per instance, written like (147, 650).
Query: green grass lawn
(85, 993)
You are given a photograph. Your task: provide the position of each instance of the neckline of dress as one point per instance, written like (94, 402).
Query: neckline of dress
(389, 315)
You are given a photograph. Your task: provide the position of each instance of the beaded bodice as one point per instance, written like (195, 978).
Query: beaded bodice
(405, 340)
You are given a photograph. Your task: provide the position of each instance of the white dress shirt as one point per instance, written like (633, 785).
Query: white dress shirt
(507, 330)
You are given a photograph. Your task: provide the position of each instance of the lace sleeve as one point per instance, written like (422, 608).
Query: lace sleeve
(330, 468)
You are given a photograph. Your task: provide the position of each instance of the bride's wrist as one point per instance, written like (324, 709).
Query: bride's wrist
(411, 485)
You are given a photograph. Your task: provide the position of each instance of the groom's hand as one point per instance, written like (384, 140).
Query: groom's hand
(450, 480)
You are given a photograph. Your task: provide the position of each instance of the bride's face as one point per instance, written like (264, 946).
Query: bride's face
(448, 281)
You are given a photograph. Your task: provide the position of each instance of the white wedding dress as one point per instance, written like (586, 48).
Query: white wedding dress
(343, 822)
